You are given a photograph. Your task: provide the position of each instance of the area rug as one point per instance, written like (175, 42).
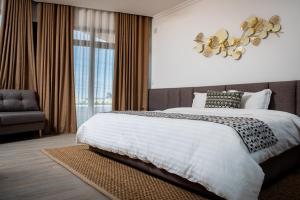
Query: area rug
(119, 181)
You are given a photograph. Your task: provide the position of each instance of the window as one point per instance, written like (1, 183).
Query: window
(93, 62)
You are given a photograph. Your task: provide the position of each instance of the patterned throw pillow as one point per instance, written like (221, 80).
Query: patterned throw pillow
(216, 99)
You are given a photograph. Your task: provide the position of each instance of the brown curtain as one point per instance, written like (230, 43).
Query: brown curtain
(130, 90)
(55, 75)
(16, 41)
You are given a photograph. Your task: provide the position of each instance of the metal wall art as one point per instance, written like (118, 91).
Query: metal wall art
(254, 30)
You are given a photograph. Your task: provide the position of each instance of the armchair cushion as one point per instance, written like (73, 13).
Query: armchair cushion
(11, 118)
(18, 100)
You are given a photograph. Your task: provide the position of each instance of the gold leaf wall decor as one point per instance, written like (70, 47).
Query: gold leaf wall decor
(254, 30)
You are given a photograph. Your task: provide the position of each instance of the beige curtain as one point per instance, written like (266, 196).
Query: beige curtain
(130, 89)
(55, 75)
(16, 53)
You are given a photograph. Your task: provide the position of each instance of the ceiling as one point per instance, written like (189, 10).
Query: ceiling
(139, 7)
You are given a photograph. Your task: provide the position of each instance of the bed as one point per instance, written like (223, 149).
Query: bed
(286, 97)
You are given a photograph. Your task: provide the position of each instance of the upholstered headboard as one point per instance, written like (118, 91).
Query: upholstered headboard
(285, 96)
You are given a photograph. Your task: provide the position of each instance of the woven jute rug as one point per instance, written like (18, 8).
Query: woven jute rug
(119, 181)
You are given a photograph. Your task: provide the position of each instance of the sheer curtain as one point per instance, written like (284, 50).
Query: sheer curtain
(94, 41)
(1, 10)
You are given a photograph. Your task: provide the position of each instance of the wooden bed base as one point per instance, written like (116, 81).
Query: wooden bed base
(274, 169)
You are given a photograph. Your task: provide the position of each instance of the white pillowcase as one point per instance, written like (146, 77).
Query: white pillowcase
(199, 100)
(250, 100)
(256, 100)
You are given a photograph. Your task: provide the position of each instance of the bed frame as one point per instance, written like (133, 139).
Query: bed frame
(285, 97)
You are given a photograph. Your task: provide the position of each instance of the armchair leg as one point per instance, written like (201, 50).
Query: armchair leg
(40, 133)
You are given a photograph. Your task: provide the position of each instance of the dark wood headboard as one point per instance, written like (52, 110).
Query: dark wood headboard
(285, 95)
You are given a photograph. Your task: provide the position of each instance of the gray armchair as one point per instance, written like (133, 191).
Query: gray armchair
(19, 112)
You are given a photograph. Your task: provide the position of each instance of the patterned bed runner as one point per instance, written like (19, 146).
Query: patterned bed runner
(255, 133)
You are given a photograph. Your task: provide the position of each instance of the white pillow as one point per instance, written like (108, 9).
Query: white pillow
(199, 100)
(256, 100)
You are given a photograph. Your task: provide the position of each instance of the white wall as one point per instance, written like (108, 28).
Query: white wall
(176, 64)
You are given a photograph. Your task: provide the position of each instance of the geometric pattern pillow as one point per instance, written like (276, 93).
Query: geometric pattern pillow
(217, 99)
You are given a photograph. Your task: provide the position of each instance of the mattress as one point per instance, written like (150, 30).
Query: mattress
(204, 153)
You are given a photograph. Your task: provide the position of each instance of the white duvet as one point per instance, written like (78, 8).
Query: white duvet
(203, 152)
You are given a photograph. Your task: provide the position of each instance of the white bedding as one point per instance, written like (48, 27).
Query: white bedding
(207, 153)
